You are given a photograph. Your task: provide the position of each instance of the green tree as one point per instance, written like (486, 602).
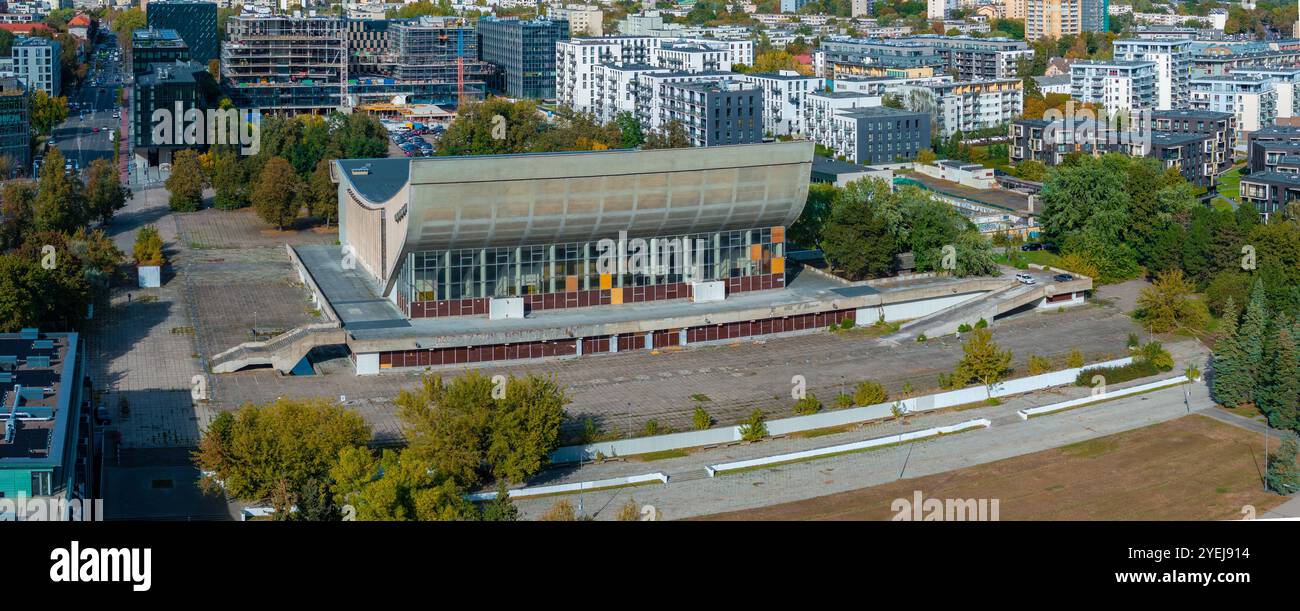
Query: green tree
(276, 196)
(1168, 304)
(974, 255)
(185, 184)
(230, 181)
(1278, 394)
(478, 131)
(857, 239)
(17, 212)
(501, 508)
(324, 199)
(1282, 476)
(869, 392)
(630, 128)
(1031, 170)
(59, 204)
(148, 248)
(46, 112)
(1231, 382)
(982, 361)
(1253, 332)
(671, 136)
(394, 487)
(755, 427)
(525, 427)
(271, 451)
(808, 229)
(105, 194)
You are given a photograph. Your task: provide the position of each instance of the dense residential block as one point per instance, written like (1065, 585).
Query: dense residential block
(1220, 126)
(1115, 85)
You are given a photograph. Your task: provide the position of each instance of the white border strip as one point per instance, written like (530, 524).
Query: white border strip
(573, 487)
(1026, 414)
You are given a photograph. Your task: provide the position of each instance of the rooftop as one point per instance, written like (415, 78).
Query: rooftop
(35, 371)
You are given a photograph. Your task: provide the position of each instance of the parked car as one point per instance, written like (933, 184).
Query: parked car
(1031, 247)
(1026, 279)
(1049, 246)
(1063, 277)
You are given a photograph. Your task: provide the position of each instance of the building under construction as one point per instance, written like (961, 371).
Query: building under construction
(284, 63)
(319, 63)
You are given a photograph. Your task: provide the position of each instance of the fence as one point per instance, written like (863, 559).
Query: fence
(785, 426)
(713, 470)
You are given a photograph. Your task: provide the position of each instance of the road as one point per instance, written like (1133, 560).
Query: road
(84, 137)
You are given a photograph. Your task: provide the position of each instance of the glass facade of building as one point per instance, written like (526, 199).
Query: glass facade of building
(196, 22)
(596, 265)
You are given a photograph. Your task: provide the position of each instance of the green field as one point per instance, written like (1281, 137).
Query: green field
(1229, 185)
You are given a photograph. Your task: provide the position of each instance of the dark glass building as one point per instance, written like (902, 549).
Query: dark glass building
(15, 137)
(150, 46)
(196, 22)
(523, 53)
(177, 86)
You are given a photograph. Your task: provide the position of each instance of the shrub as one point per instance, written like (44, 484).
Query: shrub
(846, 324)
(807, 405)
(1039, 364)
(702, 419)
(148, 246)
(1075, 359)
(964, 328)
(1076, 263)
(652, 428)
(629, 512)
(1155, 353)
(561, 511)
(920, 338)
(1139, 368)
(981, 324)
(869, 392)
(843, 400)
(1133, 341)
(589, 430)
(755, 428)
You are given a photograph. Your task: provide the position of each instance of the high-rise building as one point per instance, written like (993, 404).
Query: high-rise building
(1115, 85)
(716, 112)
(284, 62)
(1057, 18)
(195, 22)
(1173, 59)
(523, 53)
(175, 87)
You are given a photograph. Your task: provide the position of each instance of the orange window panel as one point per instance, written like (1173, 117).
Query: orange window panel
(616, 296)
(778, 265)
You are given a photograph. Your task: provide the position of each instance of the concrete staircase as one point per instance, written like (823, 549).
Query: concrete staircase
(282, 351)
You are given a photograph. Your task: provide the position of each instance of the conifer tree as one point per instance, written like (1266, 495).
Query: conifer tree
(1231, 381)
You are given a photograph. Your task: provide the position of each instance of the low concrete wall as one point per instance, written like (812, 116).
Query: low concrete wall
(1026, 414)
(573, 487)
(713, 470)
(839, 417)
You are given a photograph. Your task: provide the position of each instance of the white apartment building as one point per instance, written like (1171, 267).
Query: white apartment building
(1285, 80)
(784, 94)
(1173, 59)
(576, 59)
(619, 89)
(938, 9)
(966, 105)
(820, 108)
(1253, 100)
(1114, 85)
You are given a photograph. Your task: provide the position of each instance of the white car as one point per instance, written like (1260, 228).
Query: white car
(1026, 279)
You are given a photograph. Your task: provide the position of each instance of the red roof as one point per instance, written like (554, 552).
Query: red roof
(804, 59)
(80, 20)
(25, 28)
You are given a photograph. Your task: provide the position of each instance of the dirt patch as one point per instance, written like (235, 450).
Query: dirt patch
(1192, 468)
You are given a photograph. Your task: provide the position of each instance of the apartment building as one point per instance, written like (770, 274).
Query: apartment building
(877, 134)
(838, 57)
(584, 19)
(36, 64)
(1252, 100)
(1115, 85)
(1173, 60)
(1220, 127)
(1057, 18)
(820, 108)
(966, 105)
(716, 112)
(969, 58)
(784, 94)
(576, 60)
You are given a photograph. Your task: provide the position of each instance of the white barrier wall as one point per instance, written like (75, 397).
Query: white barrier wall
(839, 417)
(849, 447)
(573, 487)
(1026, 414)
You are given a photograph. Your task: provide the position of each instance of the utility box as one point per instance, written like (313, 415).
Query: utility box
(510, 307)
(150, 276)
(708, 291)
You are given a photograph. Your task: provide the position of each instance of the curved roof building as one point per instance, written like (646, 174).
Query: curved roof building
(399, 216)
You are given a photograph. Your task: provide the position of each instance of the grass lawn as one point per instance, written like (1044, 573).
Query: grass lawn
(1192, 468)
(1229, 184)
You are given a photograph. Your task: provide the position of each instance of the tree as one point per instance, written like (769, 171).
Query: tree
(185, 185)
(1030, 170)
(857, 238)
(983, 361)
(1282, 476)
(105, 194)
(671, 136)
(501, 508)
(1168, 304)
(394, 487)
(17, 212)
(755, 427)
(1227, 287)
(59, 204)
(974, 255)
(230, 181)
(1231, 382)
(324, 199)
(1278, 394)
(630, 128)
(148, 246)
(276, 196)
(261, 451)
(478, 131)
(1252, 333)
(808, 229)
(460, 431)
(46, 112)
